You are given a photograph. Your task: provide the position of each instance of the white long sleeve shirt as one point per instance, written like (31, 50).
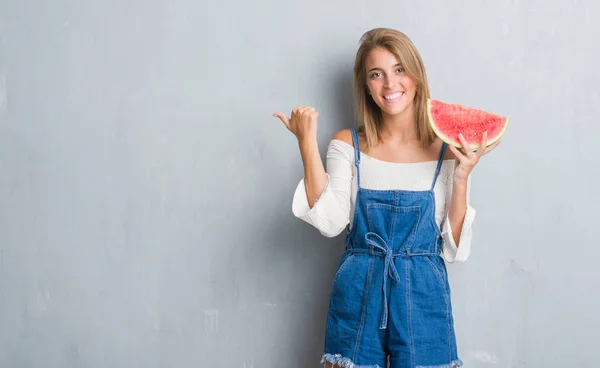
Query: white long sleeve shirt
(333, 210)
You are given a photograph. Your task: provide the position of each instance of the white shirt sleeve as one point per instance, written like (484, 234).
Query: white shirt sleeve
(331, 212)
(452, 252)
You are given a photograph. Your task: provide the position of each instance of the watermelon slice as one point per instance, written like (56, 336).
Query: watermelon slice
(448, 120)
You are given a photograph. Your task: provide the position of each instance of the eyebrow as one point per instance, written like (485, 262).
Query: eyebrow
(373, 69)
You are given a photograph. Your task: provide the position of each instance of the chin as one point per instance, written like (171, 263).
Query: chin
(395, 111)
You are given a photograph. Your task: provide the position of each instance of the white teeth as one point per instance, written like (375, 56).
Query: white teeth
(393, 96)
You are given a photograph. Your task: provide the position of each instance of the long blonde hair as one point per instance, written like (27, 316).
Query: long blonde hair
(367, 112)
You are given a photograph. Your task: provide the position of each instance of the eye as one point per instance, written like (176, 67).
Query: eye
(375, 75)
(400, 70)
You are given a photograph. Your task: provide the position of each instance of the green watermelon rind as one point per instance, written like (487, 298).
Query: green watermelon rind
(457, 144)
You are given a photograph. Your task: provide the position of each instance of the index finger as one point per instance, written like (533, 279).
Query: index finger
(483, 146)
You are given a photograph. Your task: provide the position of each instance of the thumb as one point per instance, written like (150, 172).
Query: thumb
(283, 118)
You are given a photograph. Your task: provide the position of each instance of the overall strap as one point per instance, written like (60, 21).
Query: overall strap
(439, 164)
(356, 143)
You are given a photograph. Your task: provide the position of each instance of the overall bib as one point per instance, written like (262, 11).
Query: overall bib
(390, 295)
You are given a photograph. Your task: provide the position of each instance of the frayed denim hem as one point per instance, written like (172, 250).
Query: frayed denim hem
(454, 364)
(339, 361)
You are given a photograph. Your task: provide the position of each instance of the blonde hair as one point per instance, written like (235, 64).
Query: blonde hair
(367, 111)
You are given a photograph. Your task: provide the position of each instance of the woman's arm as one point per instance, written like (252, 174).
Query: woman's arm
(303, 124)
(465, 162)
(322, 198)
(331, 212)
(458, 208)
(315, 177)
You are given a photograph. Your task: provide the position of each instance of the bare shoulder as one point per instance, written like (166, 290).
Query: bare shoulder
(448, 155)
(344, 135)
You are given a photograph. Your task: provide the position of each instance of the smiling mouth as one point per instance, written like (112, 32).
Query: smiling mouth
(393, 96)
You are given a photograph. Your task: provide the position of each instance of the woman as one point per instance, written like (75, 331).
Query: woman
(403, 197)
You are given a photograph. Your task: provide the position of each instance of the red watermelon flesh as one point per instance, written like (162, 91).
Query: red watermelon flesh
(448, 120)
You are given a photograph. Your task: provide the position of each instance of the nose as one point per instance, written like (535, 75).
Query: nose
(389, 82)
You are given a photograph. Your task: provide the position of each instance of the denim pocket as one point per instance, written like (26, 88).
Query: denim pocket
(344, 262)
(348, 292)
(440, 275)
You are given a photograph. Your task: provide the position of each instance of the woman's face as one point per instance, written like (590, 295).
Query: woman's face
(388, 84)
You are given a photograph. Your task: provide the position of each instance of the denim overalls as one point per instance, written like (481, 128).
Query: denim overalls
(390, 294)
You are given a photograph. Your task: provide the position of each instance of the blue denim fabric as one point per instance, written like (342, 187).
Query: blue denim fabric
(391, 297)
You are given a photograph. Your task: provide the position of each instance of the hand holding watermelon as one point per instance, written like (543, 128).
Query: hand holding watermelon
(302, 123)
(467, 128)
(469, 157)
